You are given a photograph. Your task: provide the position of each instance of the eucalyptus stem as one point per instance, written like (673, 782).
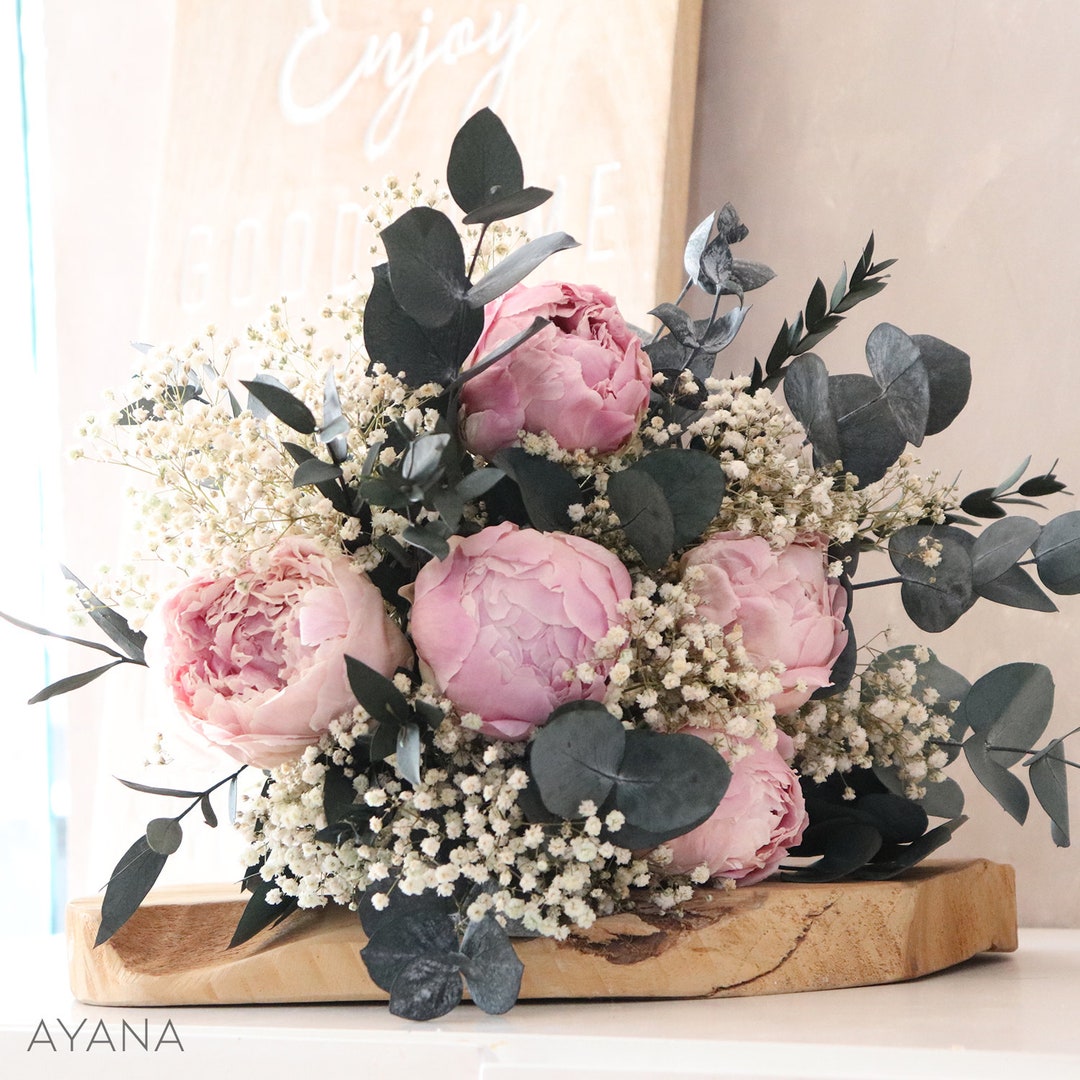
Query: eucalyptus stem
(476, 253)
(213, 787)
(881, 581)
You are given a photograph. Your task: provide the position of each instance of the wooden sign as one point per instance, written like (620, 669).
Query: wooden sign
(282, 111)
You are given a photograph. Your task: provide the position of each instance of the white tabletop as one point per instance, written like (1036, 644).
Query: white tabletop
(997, 1016)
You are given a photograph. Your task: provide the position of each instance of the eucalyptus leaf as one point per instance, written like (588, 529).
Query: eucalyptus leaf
(695, 245)
(426, 538)
(575, 757)
(934, 597)
(844, 846)
(517, 266)
(508, 206)
(492, 969)
(478, 483)
(1057, 554)
(1011, 706)
(1007, 789)
(644, 514)
(504, 349)
(426, 988)
(896, 365)
(258, 914)
(408, 753)
(1015, 588)
(948, 370)
(382, 700)
(427, 265)
(668, 784)
(132, 878)
(547, 489)
(115, 627)
(281, 403)
(870, 441)
(1012, 478)
(806, 389)
(422, 461)
(60, 637)
(314, 471)
(1051, 787)
(147, 789)
(164, 835)
(484, 164)
(397, 942)
(72, 682)
(999, 546)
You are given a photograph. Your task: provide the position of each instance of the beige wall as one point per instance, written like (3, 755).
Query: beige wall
(952, 129)
(947, 127)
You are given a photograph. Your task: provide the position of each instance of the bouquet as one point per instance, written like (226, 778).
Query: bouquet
(526, 617)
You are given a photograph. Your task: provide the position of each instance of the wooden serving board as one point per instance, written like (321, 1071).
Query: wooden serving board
(765, 939)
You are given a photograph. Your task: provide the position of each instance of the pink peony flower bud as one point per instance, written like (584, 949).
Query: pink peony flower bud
(256, 662)
(584, 379)
(507, 614)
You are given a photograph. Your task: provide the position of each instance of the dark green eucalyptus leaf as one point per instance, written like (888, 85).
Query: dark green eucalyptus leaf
(164, 835)
(428, 539)
(547, 489)
(209, 816)
(404, 908)
(904, 857)
(949, 373)
(411, 934)
(816, 305)
(897, 368)
(1057, 554)
(384, 742)
(132, 878)
(934, 597)
(668, 784)
(492, 969)
(449, 504)
(1050, 783)
(999, 546)
(258, 914)
(858, 295)
(425, 355)
(1011, 706)
(334, 423)
(1009, 791)
(843, 669)
(72, 682)
(981, 503)
(693, 483)
(408, 753)
(427, 265)
(422, 461)
(382, 700)
(1038, 486)
(722, 332)
(944, 799)
(747, 275)
(575, 757)
(870, 441)
(60, 637)
(1015, 588)
(678, 322)
(478, 483)
(314, 471)
(838, 289)
(899, 819)
(426, 988)
(844, 845)
(176, 793)
(484, 164)
(714, 267)
(508, 206)
(505, 348)
(279, 402)
(806, 390)
(115, 627)
(644, 513)
(339, 794)
(517, 266)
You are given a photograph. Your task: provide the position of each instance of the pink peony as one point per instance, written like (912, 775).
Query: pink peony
(256, 662)
(787, 607)
(584, 379)
(499, 622)
(761, 815)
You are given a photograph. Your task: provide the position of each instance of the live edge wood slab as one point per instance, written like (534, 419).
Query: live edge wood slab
(764, 939)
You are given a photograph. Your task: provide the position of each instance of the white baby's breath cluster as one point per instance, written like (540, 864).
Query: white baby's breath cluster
(462, 825)
(890, 717)
(673, 670)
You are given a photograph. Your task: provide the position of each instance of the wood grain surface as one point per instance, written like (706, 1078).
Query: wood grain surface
(765, 939)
